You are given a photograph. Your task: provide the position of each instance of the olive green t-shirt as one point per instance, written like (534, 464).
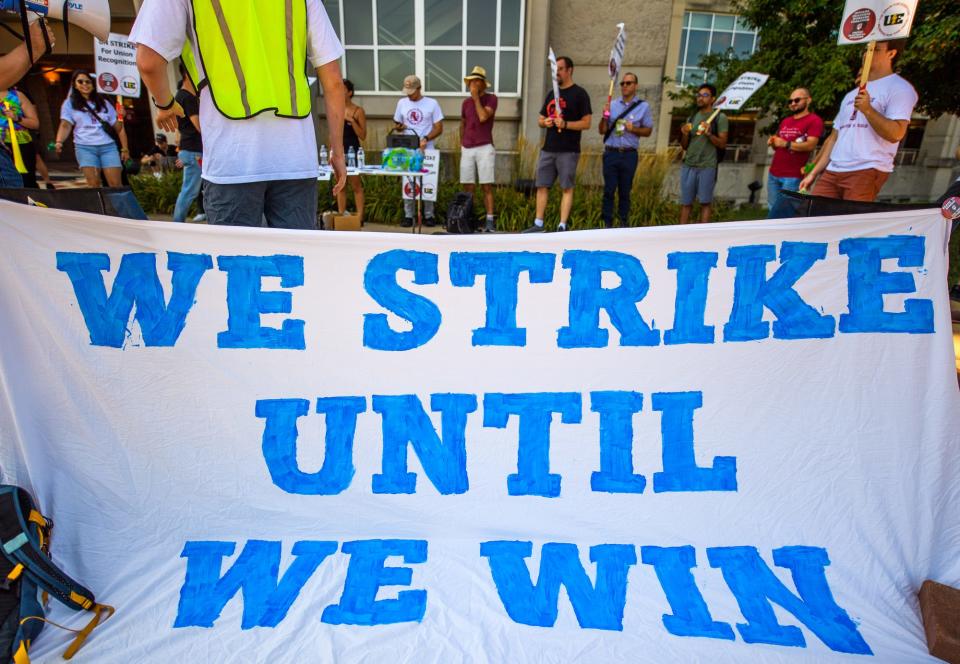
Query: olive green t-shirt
(701, 153)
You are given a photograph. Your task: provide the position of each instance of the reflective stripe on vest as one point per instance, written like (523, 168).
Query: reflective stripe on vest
(253, 54)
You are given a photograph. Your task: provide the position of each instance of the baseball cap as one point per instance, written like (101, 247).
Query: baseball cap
(411, 83)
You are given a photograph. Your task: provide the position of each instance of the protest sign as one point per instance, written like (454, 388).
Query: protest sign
(737, 93)
(876, 20)
(726, 442)
(430, 180)
(116, 66)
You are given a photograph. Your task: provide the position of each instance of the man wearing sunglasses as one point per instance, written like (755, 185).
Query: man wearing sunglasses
(794, 142)
(857, 157)
(702, 141)
(629, 119)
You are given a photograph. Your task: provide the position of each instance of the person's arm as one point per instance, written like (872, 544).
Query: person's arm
(15, 64)
(484, 113)
(685, 130)
(153, 71)
(29, 119)
(545, 121)
(604, 120)
(583, 124)
(823, 159)
(335, 102)
(122, 133)
(435, 131)
(808, 145)
(889, 130)
(63, 131)
(360, 123)
(718, 140)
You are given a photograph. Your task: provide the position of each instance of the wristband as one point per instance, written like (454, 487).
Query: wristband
(173, 100)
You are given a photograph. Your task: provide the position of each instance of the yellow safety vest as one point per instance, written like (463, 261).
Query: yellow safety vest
(254, 55)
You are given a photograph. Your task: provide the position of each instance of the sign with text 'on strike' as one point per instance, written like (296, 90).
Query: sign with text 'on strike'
(737, 93)
(727, 443)
(876, 20)
(116, 66)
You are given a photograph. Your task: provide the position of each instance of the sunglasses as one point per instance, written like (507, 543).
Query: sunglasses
(622, 83)
(84, 81)
(796, 100)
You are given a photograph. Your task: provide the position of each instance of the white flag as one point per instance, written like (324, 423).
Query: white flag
(556, 84)
(616, 55)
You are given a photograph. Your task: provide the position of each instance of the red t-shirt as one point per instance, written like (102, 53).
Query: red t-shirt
(789, 164)
(476, 133)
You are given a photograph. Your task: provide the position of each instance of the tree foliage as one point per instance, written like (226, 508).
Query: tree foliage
(798, 48)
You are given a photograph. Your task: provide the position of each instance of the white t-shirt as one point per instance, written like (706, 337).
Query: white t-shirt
(858, 146)
(419, 116)
(87, 130)
(261, 148)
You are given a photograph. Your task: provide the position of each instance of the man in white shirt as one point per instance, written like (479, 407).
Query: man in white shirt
(421, 116)
(857, 157)
(262, 162)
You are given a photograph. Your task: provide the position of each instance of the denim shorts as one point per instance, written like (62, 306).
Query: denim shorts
(98, 156)
(697, 183)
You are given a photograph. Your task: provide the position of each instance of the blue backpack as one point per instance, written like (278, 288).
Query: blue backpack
(26, 570)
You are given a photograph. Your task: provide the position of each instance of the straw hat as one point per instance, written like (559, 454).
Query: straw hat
(478, 74)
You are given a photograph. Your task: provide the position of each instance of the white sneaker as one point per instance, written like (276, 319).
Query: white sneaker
(200, 217)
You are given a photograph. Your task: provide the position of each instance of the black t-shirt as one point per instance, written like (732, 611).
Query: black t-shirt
(189, 136)
(574, 105)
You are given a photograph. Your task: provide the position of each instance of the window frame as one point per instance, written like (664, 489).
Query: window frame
(420, 49)
(683, 69)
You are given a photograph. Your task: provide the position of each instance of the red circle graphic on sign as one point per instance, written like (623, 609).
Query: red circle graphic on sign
(108, 82)
(859, 24)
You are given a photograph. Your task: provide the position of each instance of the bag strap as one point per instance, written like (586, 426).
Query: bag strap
(106, 127)
(613, 124)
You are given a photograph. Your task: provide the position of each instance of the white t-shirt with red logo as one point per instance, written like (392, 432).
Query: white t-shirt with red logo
(418, 116)
(858, 146)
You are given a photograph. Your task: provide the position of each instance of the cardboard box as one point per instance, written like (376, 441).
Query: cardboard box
(346, 222)
(940, 608)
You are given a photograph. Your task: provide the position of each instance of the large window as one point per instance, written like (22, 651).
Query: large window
(705, 33)
(439, 40)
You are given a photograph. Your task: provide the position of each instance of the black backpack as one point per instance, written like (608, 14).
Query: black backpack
(460, 217)
(26, 570)
(721, 152)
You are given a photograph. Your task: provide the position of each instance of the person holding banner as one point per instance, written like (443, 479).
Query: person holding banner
(702, 138)
(260, 154)
(421, 116)
(857, 157)
(795, 140)
(96, 132)
(565, 118)
(624, 121)
(22, 114)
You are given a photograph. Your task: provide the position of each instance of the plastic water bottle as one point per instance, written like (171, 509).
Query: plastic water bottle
(361, 159)
(416, 163)
(351, 158)
(324, 157)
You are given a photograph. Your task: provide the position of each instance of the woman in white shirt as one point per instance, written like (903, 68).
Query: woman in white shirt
(92, 121)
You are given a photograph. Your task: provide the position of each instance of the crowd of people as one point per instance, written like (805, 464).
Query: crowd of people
(257, 158)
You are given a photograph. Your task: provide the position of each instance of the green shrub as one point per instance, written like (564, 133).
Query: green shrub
(157, 195)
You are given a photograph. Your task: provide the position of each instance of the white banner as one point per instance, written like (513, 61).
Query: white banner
(430, 179)
(116, 63)
(737, 93)
(876, 20)
(731, 442)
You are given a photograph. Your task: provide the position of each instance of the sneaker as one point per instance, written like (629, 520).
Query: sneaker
(561, 228)
(200, 217)
(490, 227)
(955, 293)
(407, 222)
(533, 229)
(430, 221)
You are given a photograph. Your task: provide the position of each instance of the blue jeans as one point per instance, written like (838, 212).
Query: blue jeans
(774, 186)
(618, 171)
(9, 177)
(191, 184)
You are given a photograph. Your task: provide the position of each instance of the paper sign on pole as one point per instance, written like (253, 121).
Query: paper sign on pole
(737, 93)
(431, 179)
(616, 54)
(117, 66)
(876, 20)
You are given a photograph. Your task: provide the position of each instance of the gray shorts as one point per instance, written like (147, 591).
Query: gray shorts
(557, 165)
(697, 183)
(284, 203)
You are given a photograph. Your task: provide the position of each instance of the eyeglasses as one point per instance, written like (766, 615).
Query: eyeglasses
(705, 94)
(797, 100)
(622, 83)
